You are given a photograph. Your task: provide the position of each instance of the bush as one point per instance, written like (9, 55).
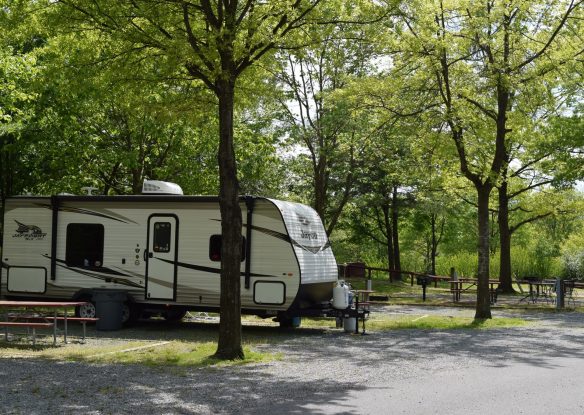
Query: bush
(573, 257)
(465, 264)
(523, 264)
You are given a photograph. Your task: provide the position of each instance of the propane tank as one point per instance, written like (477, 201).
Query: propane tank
(340, 296)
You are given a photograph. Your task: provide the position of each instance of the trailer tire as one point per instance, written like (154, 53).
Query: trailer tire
(131, 313)
(86, 311)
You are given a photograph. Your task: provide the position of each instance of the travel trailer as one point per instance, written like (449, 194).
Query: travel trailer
(163, 250)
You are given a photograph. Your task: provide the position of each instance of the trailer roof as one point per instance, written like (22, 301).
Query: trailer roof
(132, 198)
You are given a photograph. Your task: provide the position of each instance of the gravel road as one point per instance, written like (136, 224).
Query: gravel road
(405, 371)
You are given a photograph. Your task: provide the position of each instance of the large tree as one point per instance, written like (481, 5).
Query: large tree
(214, 43)
(479, 57)
(546, 156)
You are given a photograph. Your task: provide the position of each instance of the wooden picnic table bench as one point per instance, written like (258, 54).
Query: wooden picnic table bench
(538, 290)
(23, 310)
(82, 320)
(456, 288)
(27, 325)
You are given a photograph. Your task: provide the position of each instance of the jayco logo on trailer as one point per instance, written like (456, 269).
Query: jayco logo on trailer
(29, 232)
(303, 220)
(308, 235)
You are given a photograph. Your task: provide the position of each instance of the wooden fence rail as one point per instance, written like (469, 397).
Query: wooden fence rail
(361, 270)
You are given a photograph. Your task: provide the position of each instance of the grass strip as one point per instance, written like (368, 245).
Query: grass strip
(154, 354)
(424, 322)
(442, 323)
(180, 354)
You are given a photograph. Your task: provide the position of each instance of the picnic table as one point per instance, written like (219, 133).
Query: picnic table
(363, 295)
(456, 287)
(32, 314)
(539, 289)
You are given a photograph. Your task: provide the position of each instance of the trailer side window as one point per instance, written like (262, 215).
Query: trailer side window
(84, 245)
(161, 237)
(215, 248)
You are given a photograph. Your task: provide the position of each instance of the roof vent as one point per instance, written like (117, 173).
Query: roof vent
(89, 190)
(157, 187)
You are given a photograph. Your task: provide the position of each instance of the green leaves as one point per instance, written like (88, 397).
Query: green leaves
(336, 104)
(17, 72)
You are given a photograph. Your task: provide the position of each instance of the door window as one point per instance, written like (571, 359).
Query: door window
(161, 237)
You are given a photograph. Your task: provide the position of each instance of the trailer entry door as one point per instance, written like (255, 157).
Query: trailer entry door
(161, 265)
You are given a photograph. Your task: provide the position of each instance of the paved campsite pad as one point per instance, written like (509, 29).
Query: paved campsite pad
(323, 371)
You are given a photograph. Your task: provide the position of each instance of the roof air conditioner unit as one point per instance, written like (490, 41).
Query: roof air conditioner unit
(157, 187)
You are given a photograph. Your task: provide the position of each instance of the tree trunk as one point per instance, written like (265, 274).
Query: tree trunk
(229, 346)
(434, 247)
(483, 309)
(505, 281)
(137, 180)
(389, 236)
(395, 234)
(6, 168)
(320, 193)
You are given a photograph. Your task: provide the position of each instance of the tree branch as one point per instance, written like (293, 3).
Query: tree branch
(557, 30)
(489, 113)
(513, 228)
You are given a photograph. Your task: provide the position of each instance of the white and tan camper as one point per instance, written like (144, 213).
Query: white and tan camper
(163, 251)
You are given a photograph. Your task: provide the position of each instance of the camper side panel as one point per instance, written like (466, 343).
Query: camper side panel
(100, 245)
(318, 267)
(26, 247)
(104, 244)
(275, 272)
(198, 276)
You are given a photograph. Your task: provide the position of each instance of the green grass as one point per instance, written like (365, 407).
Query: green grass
(176, 353)
(442, 323)
(153, 354)
(386, 323)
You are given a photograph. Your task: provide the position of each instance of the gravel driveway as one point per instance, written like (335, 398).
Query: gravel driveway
(322, 372)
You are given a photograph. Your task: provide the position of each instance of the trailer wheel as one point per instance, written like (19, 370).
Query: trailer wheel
(87, 310)
(125, 313)
(130, 313)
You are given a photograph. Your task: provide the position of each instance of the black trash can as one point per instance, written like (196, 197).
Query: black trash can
(109, 306)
